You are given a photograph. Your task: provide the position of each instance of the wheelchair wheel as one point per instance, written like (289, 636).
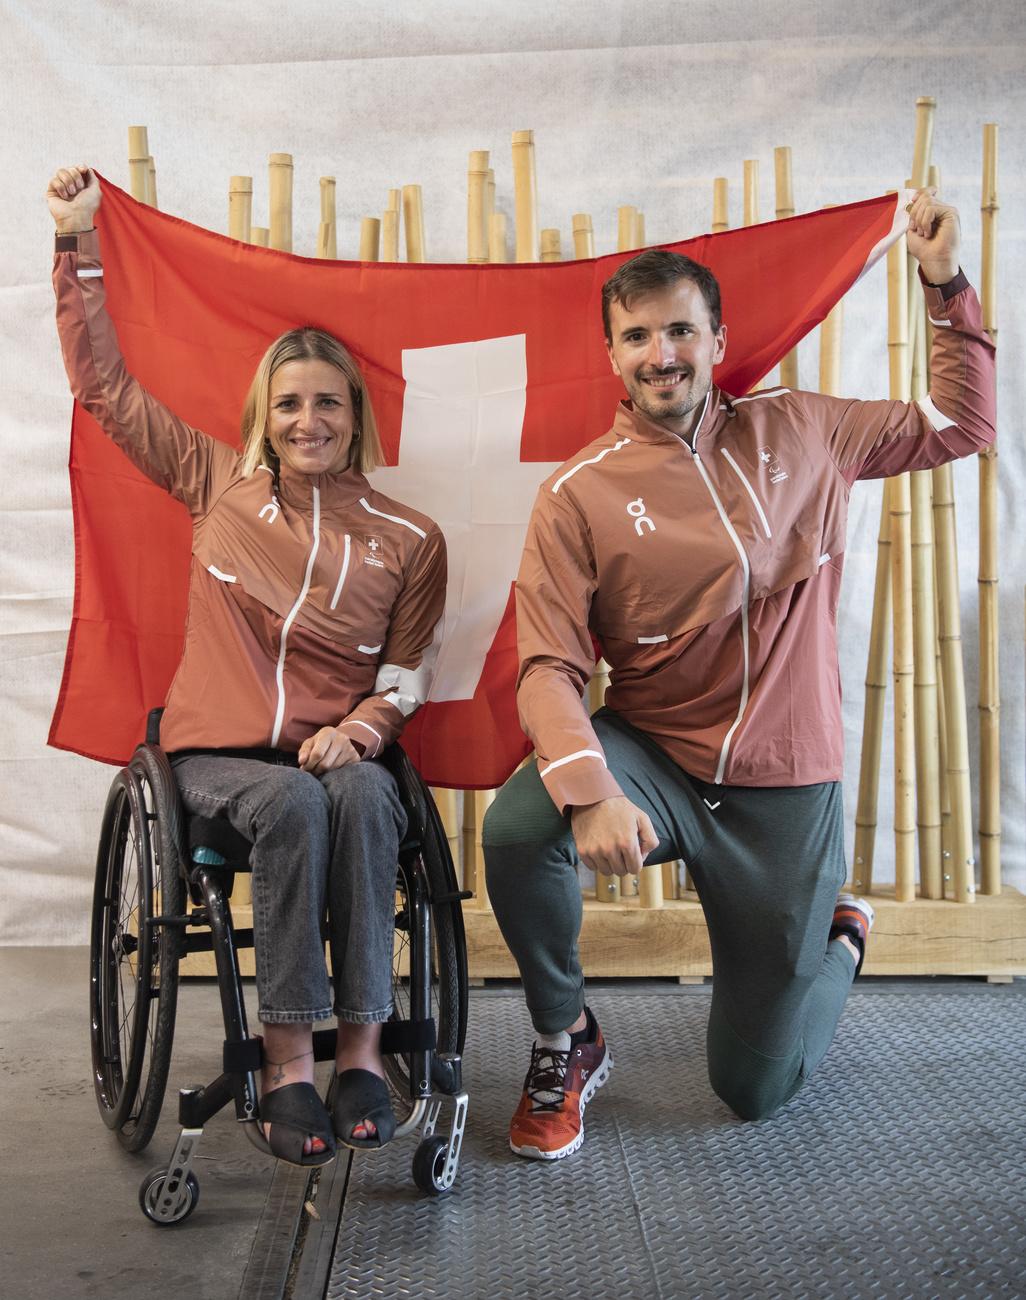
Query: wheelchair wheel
(134, 962)
(449, 957)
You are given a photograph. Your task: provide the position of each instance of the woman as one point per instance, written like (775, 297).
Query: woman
(313, 607)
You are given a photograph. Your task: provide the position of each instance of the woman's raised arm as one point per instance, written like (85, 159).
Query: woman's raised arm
(165, 448)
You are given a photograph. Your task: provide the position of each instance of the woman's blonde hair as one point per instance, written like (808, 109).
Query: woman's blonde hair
(307, 344)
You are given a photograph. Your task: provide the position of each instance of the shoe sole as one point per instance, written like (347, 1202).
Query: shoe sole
(590, 1088)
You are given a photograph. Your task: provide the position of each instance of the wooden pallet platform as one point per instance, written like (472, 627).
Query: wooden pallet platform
(625, 940)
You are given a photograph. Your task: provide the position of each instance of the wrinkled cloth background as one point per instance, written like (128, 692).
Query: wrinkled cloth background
(630, 103)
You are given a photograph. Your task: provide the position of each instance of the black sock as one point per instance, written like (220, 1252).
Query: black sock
(586, 1035)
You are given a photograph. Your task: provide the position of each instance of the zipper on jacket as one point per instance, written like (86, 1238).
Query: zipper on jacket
(746, 588)
(342, 573)
(279, 673)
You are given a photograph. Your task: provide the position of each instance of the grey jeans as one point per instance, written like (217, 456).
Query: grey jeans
(767, 864)
(319, 842)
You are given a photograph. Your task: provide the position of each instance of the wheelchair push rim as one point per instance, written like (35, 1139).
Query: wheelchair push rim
(134, 962)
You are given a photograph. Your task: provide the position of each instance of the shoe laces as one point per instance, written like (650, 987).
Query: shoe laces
(545, 1084)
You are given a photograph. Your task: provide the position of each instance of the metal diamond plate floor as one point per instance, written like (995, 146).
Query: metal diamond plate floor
(898, 1172)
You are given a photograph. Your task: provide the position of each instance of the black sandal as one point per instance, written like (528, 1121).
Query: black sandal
(360, 1096)
(295, 1113)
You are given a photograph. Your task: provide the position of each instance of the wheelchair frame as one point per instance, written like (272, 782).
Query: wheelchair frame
(142, 926)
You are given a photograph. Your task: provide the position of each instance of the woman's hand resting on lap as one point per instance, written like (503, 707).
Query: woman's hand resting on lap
(325, 750)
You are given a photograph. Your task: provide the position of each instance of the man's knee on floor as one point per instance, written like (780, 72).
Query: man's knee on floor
(751, 1083)
(751, 1096)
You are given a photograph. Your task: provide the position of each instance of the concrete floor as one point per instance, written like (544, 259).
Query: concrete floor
(70, 1223)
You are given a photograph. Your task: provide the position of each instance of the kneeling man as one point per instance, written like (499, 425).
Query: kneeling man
(701, 541)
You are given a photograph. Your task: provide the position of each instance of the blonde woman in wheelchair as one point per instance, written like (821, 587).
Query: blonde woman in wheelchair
(314, 603)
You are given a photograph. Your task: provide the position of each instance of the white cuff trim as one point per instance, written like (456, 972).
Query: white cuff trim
(89, 273)
(355, 722)
(572, 758)
(221, 577)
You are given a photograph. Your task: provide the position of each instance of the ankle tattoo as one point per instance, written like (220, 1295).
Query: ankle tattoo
(279, 1074)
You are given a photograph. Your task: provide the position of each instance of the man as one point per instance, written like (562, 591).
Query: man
(701, 541)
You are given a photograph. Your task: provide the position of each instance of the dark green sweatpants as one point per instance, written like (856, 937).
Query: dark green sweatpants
(767, 863)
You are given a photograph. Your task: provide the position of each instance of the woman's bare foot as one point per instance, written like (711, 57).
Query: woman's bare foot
(288, 1058)
(359, 1048)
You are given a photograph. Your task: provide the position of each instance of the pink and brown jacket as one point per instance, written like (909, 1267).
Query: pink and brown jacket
(313, 600)
(708, 570)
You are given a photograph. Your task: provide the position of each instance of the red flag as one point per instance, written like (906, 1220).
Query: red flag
(483, 379)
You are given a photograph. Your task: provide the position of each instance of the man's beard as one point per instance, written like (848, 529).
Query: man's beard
(660, 410)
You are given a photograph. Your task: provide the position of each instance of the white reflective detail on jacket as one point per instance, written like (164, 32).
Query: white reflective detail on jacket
(279, 672)
(940, 324)
(746, 587)
(408, 688)
(355, 722)
(222, 577)
(572, 758)
(824, 559)
(271, 509)
(342, 573)
(368, 649)
(938, 420)
(755, 397)
(592, 460)
(394, 518)
(652, 640)
(89, 273)
(750, 490)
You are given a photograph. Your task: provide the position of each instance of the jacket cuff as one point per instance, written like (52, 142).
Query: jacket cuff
(84, 242)
(939, 294)
(365, 739)
(577, 784)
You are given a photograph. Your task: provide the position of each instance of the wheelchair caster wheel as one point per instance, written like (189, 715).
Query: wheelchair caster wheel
(429, 1166)
(164, 1205)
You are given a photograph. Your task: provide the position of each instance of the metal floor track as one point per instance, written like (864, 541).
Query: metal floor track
(900, 1171)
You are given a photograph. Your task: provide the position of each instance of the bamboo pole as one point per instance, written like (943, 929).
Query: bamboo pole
(477, 203)
(240, 207)
(873, 708)
(370, 239)
(139, 163)
(949, 622)
(328, 216)
(640, 238)
(413, 222)
(390, 228)
(280, 178)
(260, 235)
(525, 197)
(584, 235)
(784, 209)
(475, 804)
(989, 689)
(626, 227)
(901, 596)
(751, 192)
(497, 251)
(551, 248)
(151, 182)
(489, 199)
(671, 879)
(721, 209)
(650, 885)
(445, 802)
(830, 351)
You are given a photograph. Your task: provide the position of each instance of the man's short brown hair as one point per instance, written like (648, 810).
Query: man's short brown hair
(655, 269)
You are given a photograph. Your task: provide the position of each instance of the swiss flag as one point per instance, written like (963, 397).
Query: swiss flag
(483, 379)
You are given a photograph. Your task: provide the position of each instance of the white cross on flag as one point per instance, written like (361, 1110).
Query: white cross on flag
(484, 378)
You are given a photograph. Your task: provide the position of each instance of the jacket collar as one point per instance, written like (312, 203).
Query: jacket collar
(336, 490)
(631, 423)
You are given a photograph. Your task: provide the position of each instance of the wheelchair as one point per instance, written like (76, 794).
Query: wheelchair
(163, 881)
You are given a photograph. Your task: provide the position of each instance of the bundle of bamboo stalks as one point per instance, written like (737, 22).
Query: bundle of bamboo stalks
(917, 587)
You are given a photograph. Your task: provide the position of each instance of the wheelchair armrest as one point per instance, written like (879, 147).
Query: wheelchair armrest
(153, 726)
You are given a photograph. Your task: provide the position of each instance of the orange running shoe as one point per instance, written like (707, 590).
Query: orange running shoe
(549, 1122)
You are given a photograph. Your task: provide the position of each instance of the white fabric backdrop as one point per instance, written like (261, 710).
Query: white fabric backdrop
(630, 103)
